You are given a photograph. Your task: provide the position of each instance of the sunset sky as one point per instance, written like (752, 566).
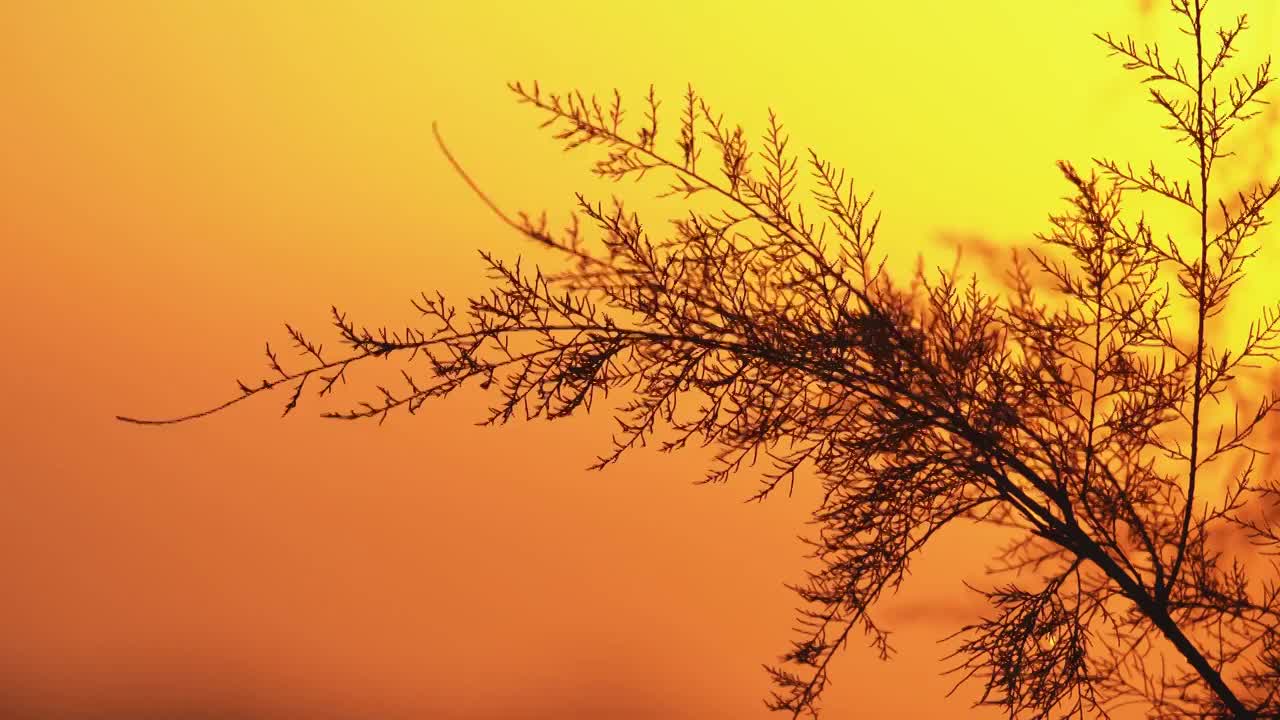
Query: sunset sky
(180, 178)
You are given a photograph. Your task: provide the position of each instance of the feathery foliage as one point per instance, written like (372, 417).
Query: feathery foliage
(763, 322)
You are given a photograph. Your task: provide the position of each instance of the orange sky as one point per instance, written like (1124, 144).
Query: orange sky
(180, 178)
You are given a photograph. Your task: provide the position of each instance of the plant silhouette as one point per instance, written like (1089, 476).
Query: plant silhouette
(1070, 409)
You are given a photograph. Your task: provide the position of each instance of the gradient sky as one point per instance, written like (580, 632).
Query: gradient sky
(179, 178)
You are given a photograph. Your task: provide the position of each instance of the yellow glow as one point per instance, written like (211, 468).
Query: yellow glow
(180, 177)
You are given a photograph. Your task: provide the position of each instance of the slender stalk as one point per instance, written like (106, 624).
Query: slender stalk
(1202, 302)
